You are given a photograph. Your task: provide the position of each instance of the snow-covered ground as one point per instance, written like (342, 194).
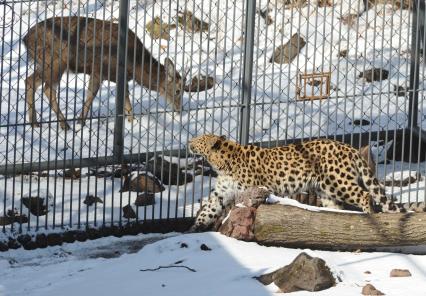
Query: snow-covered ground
(228, 269)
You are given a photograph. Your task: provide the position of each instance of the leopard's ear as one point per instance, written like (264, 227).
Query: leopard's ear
(217, 142)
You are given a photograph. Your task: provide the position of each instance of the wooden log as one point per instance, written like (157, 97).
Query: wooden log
(283, 225)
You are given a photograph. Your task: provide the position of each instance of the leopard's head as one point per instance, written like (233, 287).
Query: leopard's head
(217, 150)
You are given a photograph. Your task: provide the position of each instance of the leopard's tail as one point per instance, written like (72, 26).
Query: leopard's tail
(377, 192)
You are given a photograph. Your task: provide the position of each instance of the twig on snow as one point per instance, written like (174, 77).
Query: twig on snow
(169, 266)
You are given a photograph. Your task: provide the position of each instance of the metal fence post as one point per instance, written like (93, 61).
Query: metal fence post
(416, 42)
(121, 82)
(247, 71)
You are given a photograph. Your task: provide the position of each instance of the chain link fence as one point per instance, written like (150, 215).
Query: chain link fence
(264, 72)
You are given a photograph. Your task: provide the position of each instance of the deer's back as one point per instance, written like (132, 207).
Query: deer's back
(80, 44)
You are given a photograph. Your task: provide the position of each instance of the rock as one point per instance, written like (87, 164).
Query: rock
(81, 236)
(400, 273)
(360, 122)
(141, 183)
(240, 224)
(190, 23)
(13, 244)
(374, 74)
(184, 245)
(350, 19)
(404, 182)
(23, 239)
(400, 91)
(3, 247)
(162, 169)
(264, 13)
(41, 240)
(5, 220)
(69, 236)
(72, 174)
(343, 53)
(304, 273)
(128, 212)
(202, 83)
(91, 199)
(159, 29)
(325, 3)
(145, 199)
(31, 245)
(367, 272)
(286, 53)
(204, 247)
(35, 205)
(370, 290)
(252, 197)
(54, 239)
(365, 152)
(93, 233)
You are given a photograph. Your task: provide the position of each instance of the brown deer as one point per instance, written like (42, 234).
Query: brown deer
(87, 45)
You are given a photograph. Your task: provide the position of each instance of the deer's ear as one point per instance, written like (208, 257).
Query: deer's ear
(170, 68)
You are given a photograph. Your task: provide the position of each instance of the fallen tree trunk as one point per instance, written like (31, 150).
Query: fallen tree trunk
(283, 225)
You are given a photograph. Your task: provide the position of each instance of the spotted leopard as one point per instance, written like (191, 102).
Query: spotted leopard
(335, 171)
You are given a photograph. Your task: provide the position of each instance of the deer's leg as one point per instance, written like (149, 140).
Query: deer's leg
(94, 85)
(32, 82)
(128, 106)
(50, 90)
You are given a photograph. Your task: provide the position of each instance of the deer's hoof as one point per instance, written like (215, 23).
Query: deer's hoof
(65, 126)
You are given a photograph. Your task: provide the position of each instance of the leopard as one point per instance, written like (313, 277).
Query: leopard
(335, 171)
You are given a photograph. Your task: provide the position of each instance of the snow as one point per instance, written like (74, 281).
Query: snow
(228, 269)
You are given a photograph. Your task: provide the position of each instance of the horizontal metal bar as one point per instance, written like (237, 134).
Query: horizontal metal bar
(357, 139)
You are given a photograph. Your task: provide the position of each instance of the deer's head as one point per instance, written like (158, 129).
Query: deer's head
(172, 88)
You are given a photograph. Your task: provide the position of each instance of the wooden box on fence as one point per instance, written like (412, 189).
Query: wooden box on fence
(313, 86)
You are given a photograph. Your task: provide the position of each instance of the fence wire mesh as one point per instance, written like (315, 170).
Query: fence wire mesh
(360, 54)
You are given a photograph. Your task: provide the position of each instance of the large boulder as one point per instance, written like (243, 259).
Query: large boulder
(304, 273)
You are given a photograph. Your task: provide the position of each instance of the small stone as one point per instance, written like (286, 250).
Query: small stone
(72, 174)
(369, 289)
(360, 122)
(91, 199)
(183, 245)
(199, 84)
(343, 53)
(128, 212)
(190, 23)
(204, 247)
(400, 91)
(367, 272)
(400, 273)
(375, 74)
